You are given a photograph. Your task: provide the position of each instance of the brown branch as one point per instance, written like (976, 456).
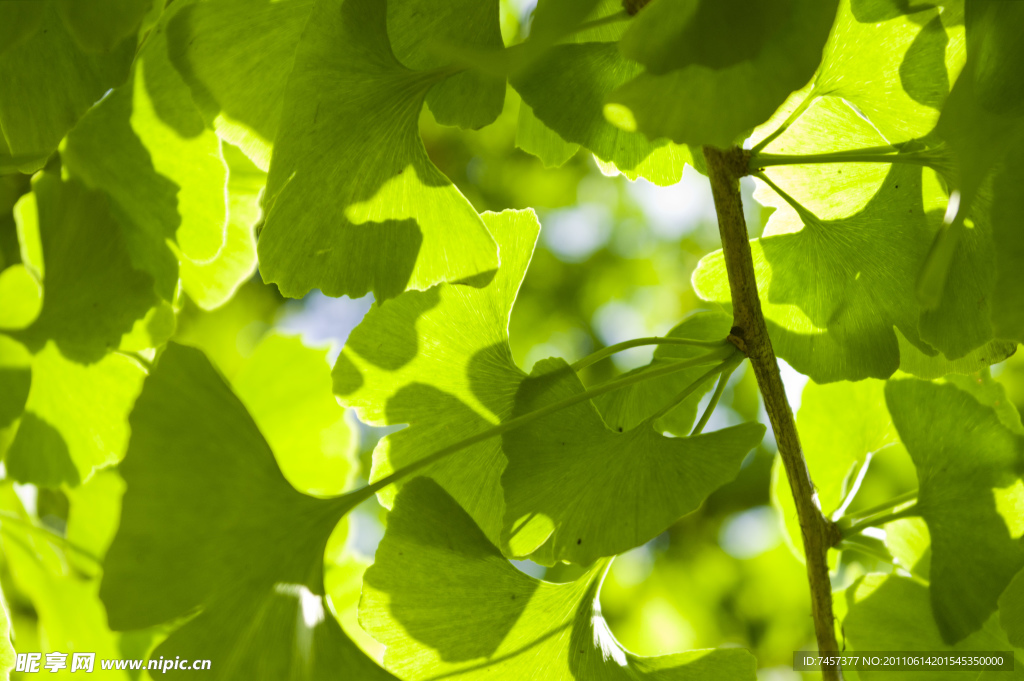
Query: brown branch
(750, 334)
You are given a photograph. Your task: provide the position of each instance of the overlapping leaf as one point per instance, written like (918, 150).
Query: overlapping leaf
(353, 203)
(718, 69)
(892, 613)
(435, 565)
(61, 581)
(626, 408)
(93, 298)
(659, 478)
(840, 258)
(969, 466)
(444, 351)
(565, 90)
(210, 523)
(983, 125)
(49, 80)
(169, 181)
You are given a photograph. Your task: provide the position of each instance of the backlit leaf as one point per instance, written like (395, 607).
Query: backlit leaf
(660, 478)
(434, 565)
(965, 458)
(210, 523)
(703, 84)
(354, 204)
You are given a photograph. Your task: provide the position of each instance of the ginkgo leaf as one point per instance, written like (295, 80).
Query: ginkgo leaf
(209, 522)
(354, 204)
(892, 613)
(726, 85)
(18, 22)
(443, 351)
(49, 83)
(968, 466)
(983, 125)
(566, 89)
(211, 284)
(70, 615)
(167, 174)
(435, 565)
(74, 418)
(628, 407)
(7, 654)
(286, 388)
(235, 56)
(92, 293)
(660, 478)
(837, 307)
(16, 377)
(841, 425)
(900, 73)
(533, 137)
(423, 31)
(1011, 611)
(22, 296)
(101, 25)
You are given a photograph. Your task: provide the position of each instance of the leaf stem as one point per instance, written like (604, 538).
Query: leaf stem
(797, 112)
(877, 520)
(621, 15)
(7, 517)
(359, 495)
(595, 357)
(715, 397)
(871, 155)
(847, 545)
(750, 334)
(689, 390)
(889, 505)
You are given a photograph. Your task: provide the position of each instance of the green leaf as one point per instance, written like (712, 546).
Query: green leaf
(628, 407)
(101, 25)
(968, 466)
(168, 177)
(892, 613)
(286, 387)
(213, 283)
(7, 654)
(841, 425)
(533, 137)
(659, 479)
(900, 73)
(16, 377)
(49, 83)
(434, 565)
(354, 204)
(210, 523)
(566, 89)
(422, 31)
(839, 265)
(74, 419)
(443, 352)
(726, 85)
(1011, 611)
(18, 22)
(61, 586)
(92, 293)
(235, 56)
(983, 125)
(22, 296)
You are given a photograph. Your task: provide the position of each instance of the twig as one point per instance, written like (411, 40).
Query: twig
(750, 334)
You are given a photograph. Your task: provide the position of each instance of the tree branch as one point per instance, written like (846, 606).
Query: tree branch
(750, 334)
